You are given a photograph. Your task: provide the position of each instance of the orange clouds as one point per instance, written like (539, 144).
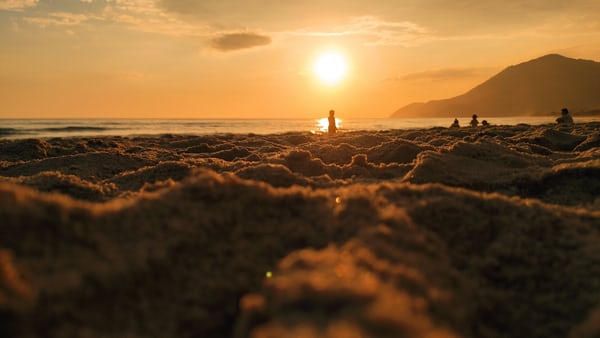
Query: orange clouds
(236, 41)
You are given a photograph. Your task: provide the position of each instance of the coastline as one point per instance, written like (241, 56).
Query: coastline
(470, 232)
(51, 128)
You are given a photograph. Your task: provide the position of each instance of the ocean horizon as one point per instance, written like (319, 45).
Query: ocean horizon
(49, 128)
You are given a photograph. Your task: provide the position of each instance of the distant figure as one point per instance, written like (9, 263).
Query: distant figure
(332, 128)
(485, 123)
(565, 118)
(455, 124)
(474, 121)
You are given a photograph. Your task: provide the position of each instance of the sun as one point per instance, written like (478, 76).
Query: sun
(330, 68)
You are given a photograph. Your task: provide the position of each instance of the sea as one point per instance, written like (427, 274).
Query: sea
(50, 128)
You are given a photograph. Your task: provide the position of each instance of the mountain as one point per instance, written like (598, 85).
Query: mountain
(535, 87)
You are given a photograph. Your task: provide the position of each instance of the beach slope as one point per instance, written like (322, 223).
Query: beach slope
(470, 232)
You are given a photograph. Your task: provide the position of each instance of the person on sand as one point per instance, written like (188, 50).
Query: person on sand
(332, 128)
(474, 121)
(455, 124)
(565, 118)
(485, 123)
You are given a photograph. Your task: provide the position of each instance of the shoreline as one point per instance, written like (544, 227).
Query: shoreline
(22, 129)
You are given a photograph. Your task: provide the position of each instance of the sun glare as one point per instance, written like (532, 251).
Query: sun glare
(330, 68)
(323, 124)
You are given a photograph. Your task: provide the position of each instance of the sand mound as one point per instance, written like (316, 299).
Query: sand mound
(51, 181)
(466, 233)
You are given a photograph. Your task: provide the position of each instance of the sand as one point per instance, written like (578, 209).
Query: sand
(471, 232)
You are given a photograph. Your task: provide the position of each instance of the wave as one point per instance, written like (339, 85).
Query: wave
(74, 129)
(14, 132)
(10, 131)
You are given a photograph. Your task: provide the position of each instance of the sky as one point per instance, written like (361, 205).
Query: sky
(255, 59)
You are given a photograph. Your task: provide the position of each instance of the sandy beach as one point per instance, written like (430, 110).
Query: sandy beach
(470, 232)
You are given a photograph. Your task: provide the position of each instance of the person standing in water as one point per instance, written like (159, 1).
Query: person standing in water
(332, 128)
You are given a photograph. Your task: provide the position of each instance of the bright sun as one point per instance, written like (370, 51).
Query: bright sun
(330, 68)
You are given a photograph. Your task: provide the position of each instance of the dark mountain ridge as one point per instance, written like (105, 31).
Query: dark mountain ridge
(536, 87)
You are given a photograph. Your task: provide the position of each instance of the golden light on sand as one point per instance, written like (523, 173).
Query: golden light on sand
(330, 67)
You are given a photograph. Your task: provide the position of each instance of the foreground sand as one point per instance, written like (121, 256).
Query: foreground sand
(432, 233)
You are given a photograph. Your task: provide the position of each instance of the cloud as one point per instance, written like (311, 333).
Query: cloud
(444, 74)
(382, 23)
(187, 7)
(17, 5)
(382, 32)
(147, 16)
(57, 19)
(241, 40)
(375, 31)
(330, 19)
(447, 18)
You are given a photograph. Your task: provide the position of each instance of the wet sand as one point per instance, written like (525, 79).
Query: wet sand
(470, 232)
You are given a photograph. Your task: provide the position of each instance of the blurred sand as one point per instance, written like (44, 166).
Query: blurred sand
(470, 232)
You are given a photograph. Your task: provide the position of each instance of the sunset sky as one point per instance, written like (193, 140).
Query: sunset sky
(256, 59)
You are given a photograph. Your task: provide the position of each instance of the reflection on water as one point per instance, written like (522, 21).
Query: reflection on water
(32, 128)
(323, 124)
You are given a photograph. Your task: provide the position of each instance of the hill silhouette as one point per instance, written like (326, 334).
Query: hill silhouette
(536, 87)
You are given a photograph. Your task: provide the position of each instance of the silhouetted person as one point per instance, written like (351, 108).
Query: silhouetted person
(474, 121)
(332, 128)
(565, 118)
(455, 124)
(485, 123)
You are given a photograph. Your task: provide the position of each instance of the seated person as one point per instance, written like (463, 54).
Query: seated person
(455, 124)
(474, 121)
(565, 118)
